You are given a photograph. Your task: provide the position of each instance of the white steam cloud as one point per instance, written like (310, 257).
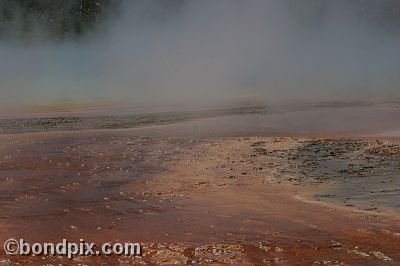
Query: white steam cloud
(201, 51)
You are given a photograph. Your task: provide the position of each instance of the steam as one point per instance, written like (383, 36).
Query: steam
(200, 51)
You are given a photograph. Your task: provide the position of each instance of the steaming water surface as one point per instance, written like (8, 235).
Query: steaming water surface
(205, 51)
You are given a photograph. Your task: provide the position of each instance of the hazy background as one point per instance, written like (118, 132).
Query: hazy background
(154, 52)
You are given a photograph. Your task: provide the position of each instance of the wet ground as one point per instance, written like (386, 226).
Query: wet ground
(114, 121)
(206, 191)
(360, 172)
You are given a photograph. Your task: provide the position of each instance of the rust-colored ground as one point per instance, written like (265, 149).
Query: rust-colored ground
(212, 200)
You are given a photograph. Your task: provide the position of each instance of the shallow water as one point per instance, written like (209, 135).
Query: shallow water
(391, 134)
(362, 173)
(241, 121)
